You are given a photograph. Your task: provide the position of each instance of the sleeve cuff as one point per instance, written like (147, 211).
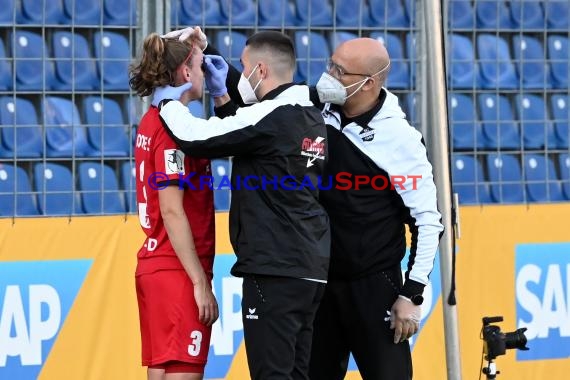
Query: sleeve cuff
(227, 109)
(412, 288)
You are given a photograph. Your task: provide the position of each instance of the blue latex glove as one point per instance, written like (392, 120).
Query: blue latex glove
(169, 92)
(215, 75)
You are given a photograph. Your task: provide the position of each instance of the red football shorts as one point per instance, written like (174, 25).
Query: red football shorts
(170, 329)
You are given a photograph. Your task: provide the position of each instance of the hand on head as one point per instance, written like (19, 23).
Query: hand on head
(195, 34)
(215, 74)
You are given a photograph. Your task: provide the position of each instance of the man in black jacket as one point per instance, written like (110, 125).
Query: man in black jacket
(278, 229)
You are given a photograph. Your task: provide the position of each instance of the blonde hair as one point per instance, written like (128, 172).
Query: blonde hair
(158, 63)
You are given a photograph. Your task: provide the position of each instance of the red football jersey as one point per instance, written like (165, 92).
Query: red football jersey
(158, 161)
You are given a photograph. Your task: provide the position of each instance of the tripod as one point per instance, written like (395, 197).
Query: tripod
(491, 370)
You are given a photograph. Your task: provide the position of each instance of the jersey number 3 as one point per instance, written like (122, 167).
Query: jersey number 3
(194, 348)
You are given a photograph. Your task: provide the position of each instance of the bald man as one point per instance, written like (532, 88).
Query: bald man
(382, 181)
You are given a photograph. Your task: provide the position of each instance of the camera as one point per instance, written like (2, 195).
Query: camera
(496, 342)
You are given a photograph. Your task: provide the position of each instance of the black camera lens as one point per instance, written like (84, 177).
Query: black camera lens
(516, 339)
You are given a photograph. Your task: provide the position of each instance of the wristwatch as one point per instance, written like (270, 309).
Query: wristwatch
(417, 299)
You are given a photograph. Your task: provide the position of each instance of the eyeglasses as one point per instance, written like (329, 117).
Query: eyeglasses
(338, 71)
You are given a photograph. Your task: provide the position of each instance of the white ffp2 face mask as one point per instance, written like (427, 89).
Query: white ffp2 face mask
(245, 90)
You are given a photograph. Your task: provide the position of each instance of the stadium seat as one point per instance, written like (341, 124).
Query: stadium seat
(535, 127)
(32, 65)
(16, 197)
(499, 128)
(351, 15)
(20, 132)
(559, 57)
(542, 183)
(238, 12)
(99, 189)
(314, 12)
(230, 45)
(40, 12)
(559, 108)
(54, 185)
(468, 180)
(463, 73)
(496, 68)
(65, 135)
(74, 66)
(83, 12)
(399, 76)
(312, 55)
(461, 14)
(7, 10)
(506, 178)
(121, 12)
(526, 14)
(557, 14)
(336, 38)
(564, 161)
(276, 13)
(5, 69)
(196, 12)
(105, 127)
(389, 13)
(530, 62)
(113, 54)
(220, 169)
(493, 14)
(196, 108)
(465, 129)
(128, 184)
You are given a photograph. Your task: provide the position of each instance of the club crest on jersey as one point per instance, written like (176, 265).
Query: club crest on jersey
(313, 149)
(367, 134)
(173, 161)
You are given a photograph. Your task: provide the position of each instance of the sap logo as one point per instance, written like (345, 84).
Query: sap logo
(543, 299)
(227, 332)
(35, 298)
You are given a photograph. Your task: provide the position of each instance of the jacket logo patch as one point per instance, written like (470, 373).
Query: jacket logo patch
(313, 149)
(173, 161)
(367, 134)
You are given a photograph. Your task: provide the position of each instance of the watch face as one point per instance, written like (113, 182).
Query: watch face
(418, 299)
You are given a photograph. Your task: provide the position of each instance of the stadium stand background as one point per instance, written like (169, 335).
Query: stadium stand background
(68, 119)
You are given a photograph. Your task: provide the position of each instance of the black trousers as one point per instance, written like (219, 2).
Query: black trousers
(278, 315)
(352, 317)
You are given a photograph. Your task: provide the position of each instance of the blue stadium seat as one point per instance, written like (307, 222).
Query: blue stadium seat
(16, 197)
(389, 13)
(560, 109)
(195, 12)
(113, 54)
(83, 12)
(7, 9)
(120, 12)
(411, 108)
(559, 56)
(465, 129)
(530, 62)
(349, 14)
(506, 178)
(41, 12)
(5, 69)
(196, 108)
(220, 169)
(461, 14)
(493, 14)
(314, 12)
(238, 12)
(31, 61)
(564, 161)
(499, 128)
(65, 135)
(20, 132)
(230, 45)
(399, 75)
(105, 127)
(468, 180)
(557, 14)
(336, 38)
(54, 185)
(312, 55)
(496, 68)
(463, 73)
(527, 14)
(542, 183)
(74, 66)
(535, 126)
(276, 13)
(128, 184)
(99, 189)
